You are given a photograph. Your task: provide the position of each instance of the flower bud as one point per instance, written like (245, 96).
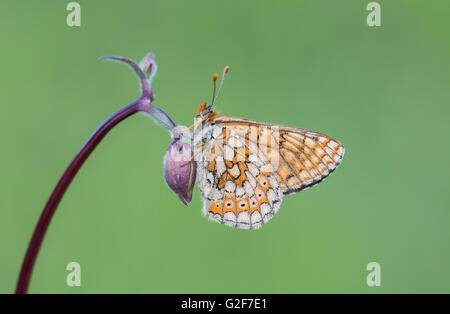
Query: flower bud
(180, 170)
(148, 66)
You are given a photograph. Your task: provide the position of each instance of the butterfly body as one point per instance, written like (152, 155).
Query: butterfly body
(245, 166)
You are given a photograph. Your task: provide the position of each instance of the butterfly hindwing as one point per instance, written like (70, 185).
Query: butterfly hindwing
(238, 193)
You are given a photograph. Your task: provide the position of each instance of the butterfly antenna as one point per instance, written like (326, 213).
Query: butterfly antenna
(215, 76)
(225, 71)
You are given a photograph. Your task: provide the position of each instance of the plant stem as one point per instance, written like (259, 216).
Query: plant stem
(142, 104)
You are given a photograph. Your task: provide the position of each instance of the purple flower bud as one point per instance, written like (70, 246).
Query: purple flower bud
(148, 65)
(180, 170)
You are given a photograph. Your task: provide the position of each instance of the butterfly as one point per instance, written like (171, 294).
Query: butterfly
(245, 167)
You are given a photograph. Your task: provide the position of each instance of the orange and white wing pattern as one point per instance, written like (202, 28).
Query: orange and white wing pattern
(306, 158)
(245, 167)
(238, 193)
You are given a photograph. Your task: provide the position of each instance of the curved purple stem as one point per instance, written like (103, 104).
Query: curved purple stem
(143, 104)
(61, 187)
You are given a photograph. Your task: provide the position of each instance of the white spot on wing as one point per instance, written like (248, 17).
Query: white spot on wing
(217, 132)
(210, 177)
(271, 196)
(273, 182)
(235, 142)
(230, 186)
(322, 139)
(327, 160)
(265, 209)
(248, 189)
(309, 142)
(256, 217)
(240, 191)
(267, 217)
(253, 169)
(332, 145)
(256, 160)
(329, 150)
(337, 158)
(234, 171)
(215, 217)
(244, 217)
(229, 216)
(304, 176)
(229, 153)
(220, 166)
(314, 159)
(319, 152)
(251, 179)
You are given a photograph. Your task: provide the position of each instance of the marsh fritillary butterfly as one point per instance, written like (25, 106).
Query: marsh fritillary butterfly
(245, 167)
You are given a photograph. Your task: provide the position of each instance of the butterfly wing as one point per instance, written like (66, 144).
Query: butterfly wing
(236, 190)
(300, 158)
(306, 159)
(248, 165)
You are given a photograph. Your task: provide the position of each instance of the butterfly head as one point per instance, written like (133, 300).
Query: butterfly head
(204, 110)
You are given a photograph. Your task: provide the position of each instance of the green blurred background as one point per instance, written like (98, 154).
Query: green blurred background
(383, 91)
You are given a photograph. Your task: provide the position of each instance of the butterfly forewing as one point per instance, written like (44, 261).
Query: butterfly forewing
(306, 159)
(245, 167)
